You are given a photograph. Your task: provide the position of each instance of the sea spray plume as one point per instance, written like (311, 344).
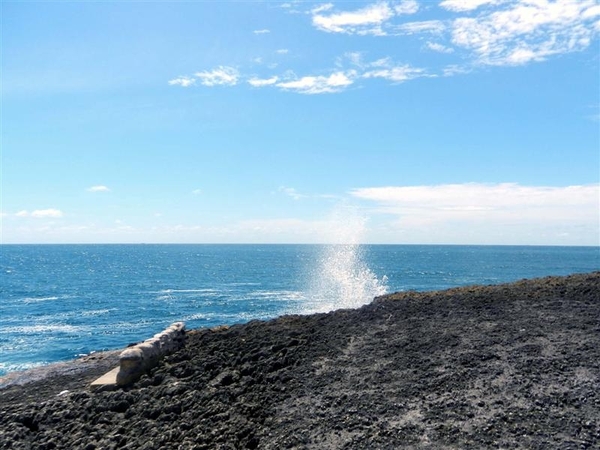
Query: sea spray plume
(342, 278)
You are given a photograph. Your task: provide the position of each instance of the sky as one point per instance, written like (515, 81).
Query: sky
(384, 122)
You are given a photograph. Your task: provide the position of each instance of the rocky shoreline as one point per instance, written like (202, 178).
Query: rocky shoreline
(508, 366)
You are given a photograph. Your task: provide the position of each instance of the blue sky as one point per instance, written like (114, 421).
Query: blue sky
(455, 121)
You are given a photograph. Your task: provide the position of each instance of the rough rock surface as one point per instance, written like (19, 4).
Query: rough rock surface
(508, 366)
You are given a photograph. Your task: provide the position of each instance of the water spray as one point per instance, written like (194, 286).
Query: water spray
(342, 278)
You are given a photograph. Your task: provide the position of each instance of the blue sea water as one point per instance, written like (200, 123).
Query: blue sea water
(61, 301)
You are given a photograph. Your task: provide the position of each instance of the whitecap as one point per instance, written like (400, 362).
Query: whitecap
(39, 299)
(278, 295)
(36, 329)
(186, 291)
(97, 312)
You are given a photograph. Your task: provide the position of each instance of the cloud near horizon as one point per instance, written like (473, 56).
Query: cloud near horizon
(41, 213)
(467, 213)
(491, 206)
(488, 213)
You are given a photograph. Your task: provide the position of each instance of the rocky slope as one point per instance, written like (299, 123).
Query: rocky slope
(508, 366)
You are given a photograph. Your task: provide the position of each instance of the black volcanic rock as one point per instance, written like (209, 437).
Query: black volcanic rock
(508, 366)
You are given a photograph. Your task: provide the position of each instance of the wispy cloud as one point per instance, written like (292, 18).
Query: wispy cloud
(182, 81)
(527, 31)
(474, 201)
(263, 31)
(406, 7)
(197, 192)
(396, 74)
(98, 188)
(260, 82)
(487, 213)
(282, 51)
(477, 33)
(221, 76)
(368, 20)
(454, 69)
(41, 213)
(426, 26)
(336, 82)
(467, 5)
(291, 192)
(436, 47)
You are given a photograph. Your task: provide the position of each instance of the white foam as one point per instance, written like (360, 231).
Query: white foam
(42, 328)
(278, 295)
(39, 299)
(97, 312)
(8, 368)
(186, 291)
(197, 316)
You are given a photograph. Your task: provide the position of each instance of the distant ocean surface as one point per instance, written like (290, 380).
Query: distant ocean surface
(58, 302)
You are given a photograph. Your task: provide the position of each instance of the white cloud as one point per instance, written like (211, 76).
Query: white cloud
(280, 230)
(182, 81)
(291, 192)
(355, 58)
(459, 210)
(47, 213)
(282, 51)
(263, 31)
(197, 191)
(407, 7)
(382, 62)
(454, 69)
(40, 213)
(493, 32)
(436, 47)
(221, 76)
(260, 82)
(529, 30)
(466, 5)
(396, 74)
(488, 196)
(336, 82)
(426, 26)
(99, 188)
(368, 20)
(321, 8)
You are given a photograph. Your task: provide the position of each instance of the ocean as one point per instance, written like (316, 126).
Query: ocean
(59, 302)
